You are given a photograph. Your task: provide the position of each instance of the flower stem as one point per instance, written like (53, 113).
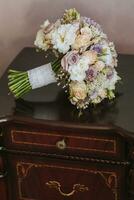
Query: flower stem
(19, 81)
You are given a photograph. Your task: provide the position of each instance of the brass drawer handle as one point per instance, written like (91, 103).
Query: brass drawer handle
(61, 144)
(76, 188)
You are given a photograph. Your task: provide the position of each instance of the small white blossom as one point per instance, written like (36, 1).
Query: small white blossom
(45, 24)
(110, 83)
(107, 58)
(40, 40)
(95, 31)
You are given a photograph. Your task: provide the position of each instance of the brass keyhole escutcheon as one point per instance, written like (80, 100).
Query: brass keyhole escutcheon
(61, 144)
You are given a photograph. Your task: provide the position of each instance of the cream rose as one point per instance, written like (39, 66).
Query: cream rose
(86, 30)
(102, 93)
(48, 36)
(91, 55)
(83, 40)
(78, 90)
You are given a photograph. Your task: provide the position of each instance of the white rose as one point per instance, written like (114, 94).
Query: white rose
(64, 36)
(83, 63)
(76, 73)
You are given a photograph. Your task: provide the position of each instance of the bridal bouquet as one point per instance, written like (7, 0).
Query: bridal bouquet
(85, 63)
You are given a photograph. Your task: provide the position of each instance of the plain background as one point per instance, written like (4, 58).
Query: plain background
(20, 20)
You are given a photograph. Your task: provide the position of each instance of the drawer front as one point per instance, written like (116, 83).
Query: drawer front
(3, 182)
(70, 142)
(3, 172)
(34, 179)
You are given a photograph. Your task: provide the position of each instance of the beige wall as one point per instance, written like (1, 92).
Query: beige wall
(20, 19)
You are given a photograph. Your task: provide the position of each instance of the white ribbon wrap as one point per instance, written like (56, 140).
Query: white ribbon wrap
(41, 76)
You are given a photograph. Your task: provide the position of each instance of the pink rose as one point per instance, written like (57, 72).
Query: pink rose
(91, 73)
(71, 58)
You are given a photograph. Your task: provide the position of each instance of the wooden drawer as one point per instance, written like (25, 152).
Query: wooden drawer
(39, 178)
(101, 144)
(3, 174)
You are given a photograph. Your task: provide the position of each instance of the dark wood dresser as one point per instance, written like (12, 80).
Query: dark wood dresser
(50, 152)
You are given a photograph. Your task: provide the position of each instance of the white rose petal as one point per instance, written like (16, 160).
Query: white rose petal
(64, 37)
(76, 73)
(84, 63)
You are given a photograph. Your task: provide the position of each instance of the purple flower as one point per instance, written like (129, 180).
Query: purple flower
(110, 73)
(91, 73)
(97, 48)
(90, 22)
(71, 58)
(95, 24)
(86, 20)
(93, 94)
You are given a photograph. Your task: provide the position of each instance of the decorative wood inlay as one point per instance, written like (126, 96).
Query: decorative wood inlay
(111, 182)
(14, 134)
(110, 178)
(22, 170)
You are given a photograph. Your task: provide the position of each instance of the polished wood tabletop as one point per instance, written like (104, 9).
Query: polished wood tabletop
(51, 103)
